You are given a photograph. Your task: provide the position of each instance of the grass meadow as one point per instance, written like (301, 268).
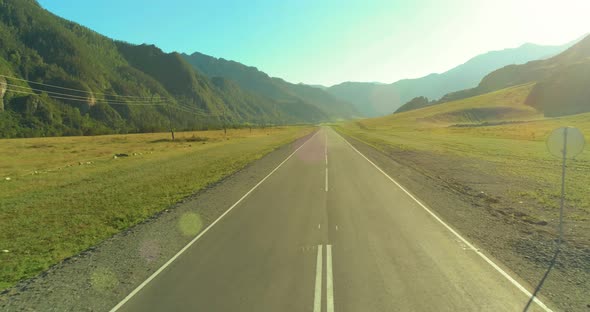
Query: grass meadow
(496, 128)
(62, 195)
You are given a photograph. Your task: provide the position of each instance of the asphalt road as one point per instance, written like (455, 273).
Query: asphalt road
(328, 231)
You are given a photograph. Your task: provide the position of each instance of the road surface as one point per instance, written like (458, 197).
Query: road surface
(328, 231)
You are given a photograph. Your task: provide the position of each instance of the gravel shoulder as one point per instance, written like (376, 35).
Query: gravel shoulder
(98, 278)
(478, 205)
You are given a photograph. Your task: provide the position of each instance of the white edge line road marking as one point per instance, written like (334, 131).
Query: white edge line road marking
(326, 154)
(329, 282)
(484, 257)
(317, 299)
(326, 179)
(142, 285)
(326, 147)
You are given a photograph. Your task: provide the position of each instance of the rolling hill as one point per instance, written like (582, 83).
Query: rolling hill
(299, 96)
(502, 106)
(380, 99)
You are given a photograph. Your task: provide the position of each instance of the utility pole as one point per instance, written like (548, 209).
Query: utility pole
(276, 115)
(563, 166)
(565, 142)
(170, 120)
(224, 125)
(169, 116)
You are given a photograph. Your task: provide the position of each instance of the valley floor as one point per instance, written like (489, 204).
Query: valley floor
(387, 252)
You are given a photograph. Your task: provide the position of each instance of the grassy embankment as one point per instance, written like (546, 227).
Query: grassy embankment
(496, 129)
(59, 196)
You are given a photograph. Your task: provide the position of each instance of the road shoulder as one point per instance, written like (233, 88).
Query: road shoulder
(468, 213)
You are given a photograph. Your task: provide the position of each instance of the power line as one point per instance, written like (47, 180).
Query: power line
(180, 107)
(195, 109)
(75, 90)
(78, 97)
(139, 101)
(49, 92)
(86, 100)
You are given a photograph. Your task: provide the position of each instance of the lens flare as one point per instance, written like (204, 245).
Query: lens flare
(190, 224)
(104, 280)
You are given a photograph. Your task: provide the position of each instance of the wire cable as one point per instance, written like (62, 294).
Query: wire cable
(147, 101)
(178, 106)
(190, 112)
(80, 100)
(197, 110)
(75, 90)
(85, 98)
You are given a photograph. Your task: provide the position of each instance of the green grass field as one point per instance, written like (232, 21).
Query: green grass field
(517, 149)
(62, 195)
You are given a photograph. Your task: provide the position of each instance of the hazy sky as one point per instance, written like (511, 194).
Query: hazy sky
(328, 42)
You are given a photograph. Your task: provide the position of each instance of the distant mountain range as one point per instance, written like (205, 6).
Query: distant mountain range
(297, 96)
(373, 99)
(561, 82)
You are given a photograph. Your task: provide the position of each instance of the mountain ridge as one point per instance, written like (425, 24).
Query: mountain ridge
(255, 80)
(374, 100)
(560, 83)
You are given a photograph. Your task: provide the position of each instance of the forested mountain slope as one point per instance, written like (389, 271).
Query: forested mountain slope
(60, 78)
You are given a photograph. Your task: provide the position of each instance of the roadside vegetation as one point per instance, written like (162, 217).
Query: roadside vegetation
(497, 128)
(63, 195)
(490, 152)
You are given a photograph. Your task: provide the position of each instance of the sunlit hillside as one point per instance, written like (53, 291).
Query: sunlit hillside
(495, 107)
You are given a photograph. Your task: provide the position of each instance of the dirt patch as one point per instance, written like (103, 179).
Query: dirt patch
(486, 206)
